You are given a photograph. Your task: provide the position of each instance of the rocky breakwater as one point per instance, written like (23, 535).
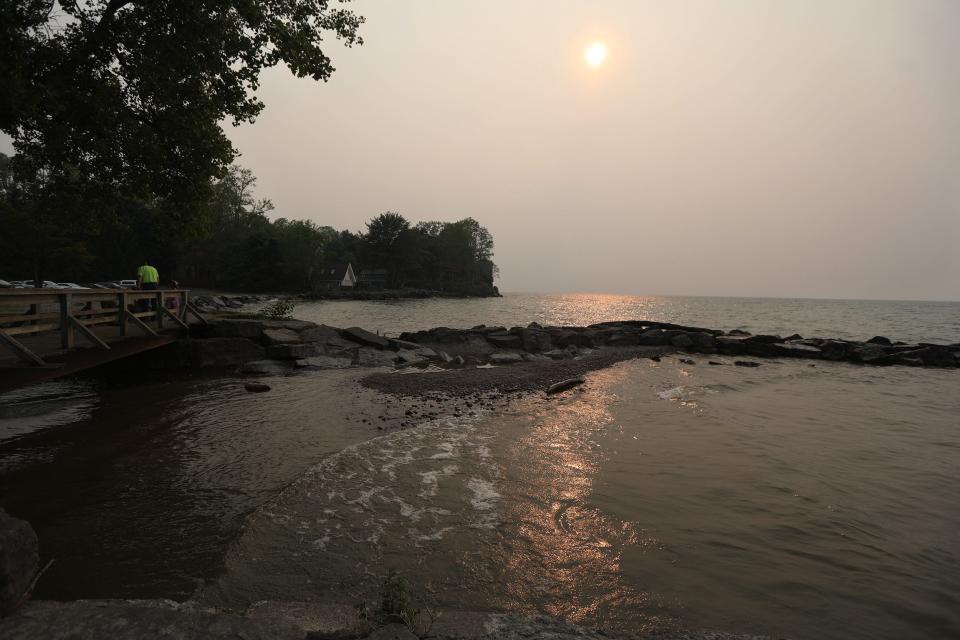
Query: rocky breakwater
(216, 303)
(275, 346)
(270, 347)
(499, 345)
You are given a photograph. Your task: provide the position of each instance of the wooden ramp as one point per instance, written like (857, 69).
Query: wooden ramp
(40, 329)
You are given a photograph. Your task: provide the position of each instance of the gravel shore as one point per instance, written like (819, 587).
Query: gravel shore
(536, 375)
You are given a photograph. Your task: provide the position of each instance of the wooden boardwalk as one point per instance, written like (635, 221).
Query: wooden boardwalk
(49, 333)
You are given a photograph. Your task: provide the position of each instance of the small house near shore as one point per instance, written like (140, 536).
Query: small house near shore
(335, 278)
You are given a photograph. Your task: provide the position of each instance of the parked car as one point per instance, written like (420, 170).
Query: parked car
(5, 285)
(127, 284)
(71, 285)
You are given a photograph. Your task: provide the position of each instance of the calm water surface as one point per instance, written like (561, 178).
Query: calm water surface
(809, 501)
(849, 319)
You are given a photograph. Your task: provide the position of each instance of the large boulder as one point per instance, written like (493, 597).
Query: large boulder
(868, 354)
(881, 340)
(324, 362)
(443, 335)
(682, 341)
(221, 352)
(535, 340)
(703, 342)
(929, 355)
(236, 328)
(654, 338)
(763, 339)
(136, 620)
(293, 351)
(834, 349)
(371, 357)
(732, 345)
(280, 335)
(567, 337)
(364, 337)
(505, 340)
(505, 358)
(19, 560)
(320, 333)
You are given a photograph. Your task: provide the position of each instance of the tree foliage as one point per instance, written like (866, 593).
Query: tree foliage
(128, 95)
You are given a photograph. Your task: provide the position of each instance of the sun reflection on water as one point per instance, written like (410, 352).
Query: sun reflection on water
(562, 547)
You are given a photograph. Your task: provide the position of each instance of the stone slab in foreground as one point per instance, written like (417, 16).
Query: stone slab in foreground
(138, 619)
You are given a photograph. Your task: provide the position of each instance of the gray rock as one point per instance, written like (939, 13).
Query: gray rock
(264, 368)
(738, 332)
(763, 339)
(931, 356)
(880, 340)
(239, 328)
(19, 560)
(280, 336)
(337, 345)
(503, 357)
(364, 337)
(654, 338)
(404, 344)
(294, 325)
(704, 342)
(292, 351)
(256, 387)
(535, 339)
(746, 363)
(558, 354)
(682, 341)
(834, 349)
(324, 362)
(429, 354)
(370, 357)
(320, 333)
(564, 385)
(732, 345)
(408, 358)
(622, 338)
(136, 620)
(221, 352)
(568, 338)
(505, 341)
(868, 354)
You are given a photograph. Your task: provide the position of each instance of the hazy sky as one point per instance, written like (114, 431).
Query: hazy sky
(770, 148)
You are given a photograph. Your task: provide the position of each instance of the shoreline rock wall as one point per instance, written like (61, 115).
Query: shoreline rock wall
(269, 347)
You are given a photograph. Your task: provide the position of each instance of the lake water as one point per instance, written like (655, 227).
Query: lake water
(797, 500)
(848, 319)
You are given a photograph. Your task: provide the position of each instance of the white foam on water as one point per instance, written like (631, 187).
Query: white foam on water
(671, 394)
(431, 479)
(484, 495)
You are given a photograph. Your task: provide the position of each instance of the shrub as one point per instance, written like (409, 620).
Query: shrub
(279, 310)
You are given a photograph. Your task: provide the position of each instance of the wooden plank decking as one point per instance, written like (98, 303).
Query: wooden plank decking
(49, 333)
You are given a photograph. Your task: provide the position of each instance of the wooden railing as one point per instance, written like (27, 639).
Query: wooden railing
(27, 312)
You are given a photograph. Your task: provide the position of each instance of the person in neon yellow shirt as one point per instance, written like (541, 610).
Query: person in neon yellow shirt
(148, 279)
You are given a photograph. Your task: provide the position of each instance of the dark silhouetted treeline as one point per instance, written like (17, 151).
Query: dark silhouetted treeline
(229, 243)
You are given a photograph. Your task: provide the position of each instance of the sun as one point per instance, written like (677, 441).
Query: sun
(595, 54)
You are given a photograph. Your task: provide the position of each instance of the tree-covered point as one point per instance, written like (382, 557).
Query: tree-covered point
(235, 246)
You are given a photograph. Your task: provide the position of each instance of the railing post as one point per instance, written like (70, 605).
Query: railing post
(122, 312)
(66, 328)
(160, 309)
(183, 306)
